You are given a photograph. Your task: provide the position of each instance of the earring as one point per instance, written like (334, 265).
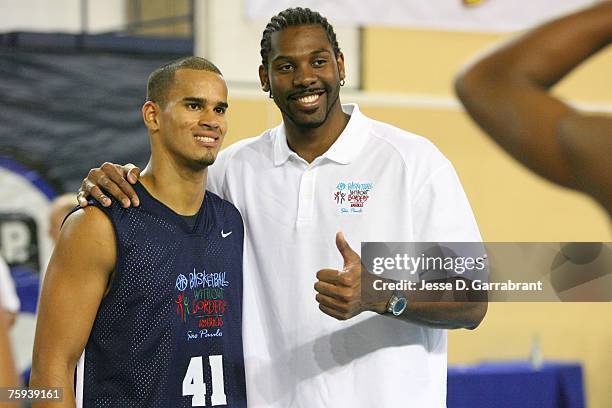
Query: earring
(270, 94)
(342, 82)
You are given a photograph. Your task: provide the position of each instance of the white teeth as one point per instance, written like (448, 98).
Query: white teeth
(205, 139)
(309, 98)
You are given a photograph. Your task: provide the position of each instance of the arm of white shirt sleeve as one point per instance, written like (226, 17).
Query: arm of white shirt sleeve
(441, 211)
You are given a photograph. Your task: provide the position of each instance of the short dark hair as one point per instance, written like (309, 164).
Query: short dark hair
(295, 17)
(162, 78)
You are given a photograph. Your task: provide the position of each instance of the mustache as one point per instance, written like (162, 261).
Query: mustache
(303, 92)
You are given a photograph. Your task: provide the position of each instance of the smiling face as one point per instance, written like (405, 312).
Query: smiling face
(303, 75)
(191, 123)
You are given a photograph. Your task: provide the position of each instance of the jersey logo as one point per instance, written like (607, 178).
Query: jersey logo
(351, 197)
(225, 234)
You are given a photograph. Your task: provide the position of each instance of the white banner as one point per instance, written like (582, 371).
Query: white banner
(460, 15)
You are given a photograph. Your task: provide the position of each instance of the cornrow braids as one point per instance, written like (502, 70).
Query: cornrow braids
(294, 17)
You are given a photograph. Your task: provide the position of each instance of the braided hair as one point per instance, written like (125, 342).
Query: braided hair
(295, 17)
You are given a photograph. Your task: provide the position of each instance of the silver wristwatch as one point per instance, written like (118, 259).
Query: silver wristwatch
(397, 304)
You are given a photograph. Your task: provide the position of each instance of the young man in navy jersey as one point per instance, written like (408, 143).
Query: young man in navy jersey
(148, 300)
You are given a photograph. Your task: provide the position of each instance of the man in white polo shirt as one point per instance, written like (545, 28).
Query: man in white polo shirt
(310, 339)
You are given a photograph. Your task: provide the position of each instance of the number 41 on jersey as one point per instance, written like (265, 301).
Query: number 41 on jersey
(193, 383)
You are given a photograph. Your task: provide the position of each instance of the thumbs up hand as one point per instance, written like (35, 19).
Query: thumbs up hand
(339, 292)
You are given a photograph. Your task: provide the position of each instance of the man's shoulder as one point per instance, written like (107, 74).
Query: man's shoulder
(96, 211)
(91, 223)
(221, 204)
(262, 141)
(251, 150)
(399, 137)
(412, 147)
(242, 151)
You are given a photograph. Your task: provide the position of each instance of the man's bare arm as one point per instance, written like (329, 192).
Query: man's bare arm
(446, 315)
(506, 93)
(111, 179)
(587, 142)
(340, 294)
(75, 283)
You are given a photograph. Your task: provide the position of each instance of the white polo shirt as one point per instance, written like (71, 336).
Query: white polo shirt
(376, 183)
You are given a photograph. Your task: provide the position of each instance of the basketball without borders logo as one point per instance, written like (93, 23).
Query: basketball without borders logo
(351, 197)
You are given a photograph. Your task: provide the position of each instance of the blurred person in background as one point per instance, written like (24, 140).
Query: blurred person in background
(506, 92)
(60, 207)
(9, 301)
(8, 373)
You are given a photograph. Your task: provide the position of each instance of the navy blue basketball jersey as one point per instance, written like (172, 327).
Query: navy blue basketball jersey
(169, 331)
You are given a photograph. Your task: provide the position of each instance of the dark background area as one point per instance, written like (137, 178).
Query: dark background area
(71, 102)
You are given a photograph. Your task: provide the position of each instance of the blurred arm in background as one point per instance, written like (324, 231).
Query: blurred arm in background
(506, 93)
(8, 373)
(60, 207)
(9, 301)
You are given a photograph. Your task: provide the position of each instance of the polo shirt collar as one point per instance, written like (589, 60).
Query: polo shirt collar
(344, 149)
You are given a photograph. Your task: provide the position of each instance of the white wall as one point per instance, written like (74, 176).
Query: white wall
(60, 15)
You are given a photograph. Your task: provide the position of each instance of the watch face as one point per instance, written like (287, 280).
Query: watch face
(399, 306)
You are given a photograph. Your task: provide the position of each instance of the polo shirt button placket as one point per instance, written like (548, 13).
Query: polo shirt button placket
(306, 196)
